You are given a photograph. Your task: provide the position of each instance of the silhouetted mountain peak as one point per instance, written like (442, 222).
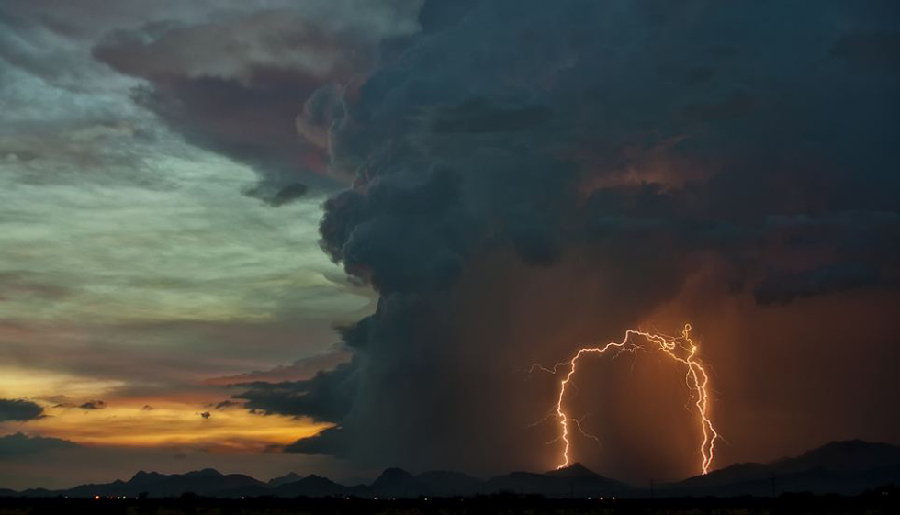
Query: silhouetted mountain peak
(207, 472)
(313, 479)
(846, 456)
(145, 477)
(846, 468)
(283, 480)
(355, 481)
(393, 473)
(574, 480)
(825, 468)
(853, 450)
(310, 486)
(396, 482)
(573, 470)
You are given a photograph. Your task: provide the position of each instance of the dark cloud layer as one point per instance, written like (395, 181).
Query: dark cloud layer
(300, 370)
(785, 287)
(322, 397)
(19, 444)
(236, 83)
(532, 175)
(19, 409)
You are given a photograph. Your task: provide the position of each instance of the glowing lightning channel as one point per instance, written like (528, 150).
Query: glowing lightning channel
(696, 379)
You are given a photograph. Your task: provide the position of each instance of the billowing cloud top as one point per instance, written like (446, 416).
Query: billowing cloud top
(604, 158)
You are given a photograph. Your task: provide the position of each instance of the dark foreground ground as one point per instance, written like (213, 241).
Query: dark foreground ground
(872, 503)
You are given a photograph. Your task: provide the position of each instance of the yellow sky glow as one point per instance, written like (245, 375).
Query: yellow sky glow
(223, 431)
(26, 382)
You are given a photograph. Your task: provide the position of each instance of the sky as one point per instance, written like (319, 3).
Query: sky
(331, 236)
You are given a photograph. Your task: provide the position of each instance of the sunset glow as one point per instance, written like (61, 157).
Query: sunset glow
(226, 430)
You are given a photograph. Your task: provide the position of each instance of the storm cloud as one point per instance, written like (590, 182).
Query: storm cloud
(19, 409)
(533, 175)
(19, 444)
(512, 179)
(236, 81)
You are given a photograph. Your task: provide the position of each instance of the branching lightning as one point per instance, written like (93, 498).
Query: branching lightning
(682, 349)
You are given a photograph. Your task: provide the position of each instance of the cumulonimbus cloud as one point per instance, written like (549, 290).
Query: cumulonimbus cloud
(599, 154)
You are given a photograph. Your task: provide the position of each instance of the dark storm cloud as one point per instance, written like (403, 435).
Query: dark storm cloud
(853, 249)
(92, 405)
(20, 410)
(590, 156)
(869, 49)
(236, 84)
(300, 370)
(784, 287)
(325, 396)
(289, 194)
(19, 444)
(327, 442)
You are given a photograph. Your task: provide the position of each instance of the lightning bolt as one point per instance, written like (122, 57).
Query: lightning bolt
(682, 349)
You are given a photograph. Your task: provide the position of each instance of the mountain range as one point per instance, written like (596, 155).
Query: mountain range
(840, 467)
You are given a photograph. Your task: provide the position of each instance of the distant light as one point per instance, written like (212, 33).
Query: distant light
(96, 497)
